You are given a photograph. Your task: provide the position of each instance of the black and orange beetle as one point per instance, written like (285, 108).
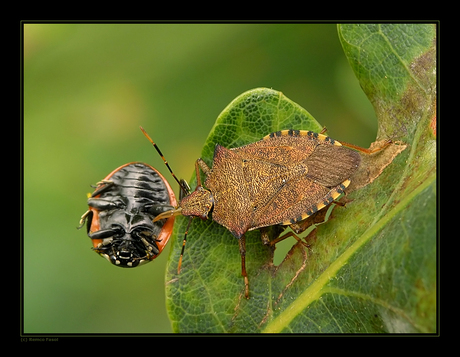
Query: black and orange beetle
(121, 213)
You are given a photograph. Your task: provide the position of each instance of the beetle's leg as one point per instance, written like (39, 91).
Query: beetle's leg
(83, 218)
(102, 186)
(242, 244)
(102, 204)
(104, 233)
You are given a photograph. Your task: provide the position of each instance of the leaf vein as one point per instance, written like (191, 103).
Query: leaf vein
(317, 288)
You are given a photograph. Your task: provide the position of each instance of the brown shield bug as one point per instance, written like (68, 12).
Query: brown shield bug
(282, 179)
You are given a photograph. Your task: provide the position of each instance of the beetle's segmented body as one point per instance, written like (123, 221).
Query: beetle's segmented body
(121, 212)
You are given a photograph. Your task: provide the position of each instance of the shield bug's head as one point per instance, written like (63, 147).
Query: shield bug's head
(121, 214)
(197, 204)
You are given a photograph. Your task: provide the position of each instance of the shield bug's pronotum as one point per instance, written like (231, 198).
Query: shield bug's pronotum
(121, 213)
(282, 179)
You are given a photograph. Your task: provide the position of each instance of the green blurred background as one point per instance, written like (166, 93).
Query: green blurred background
(88, 87)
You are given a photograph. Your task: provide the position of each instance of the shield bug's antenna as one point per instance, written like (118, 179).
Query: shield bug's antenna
(368, 151)
(183, 187)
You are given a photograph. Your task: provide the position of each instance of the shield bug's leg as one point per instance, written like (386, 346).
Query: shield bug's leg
(264, 236)
(198, 163)
(338, 203)
(301, 226)
(242, 243)
(205, 168)
(183, 246)
(287, 235)
(274, 231)
(323, 130)
(197, 171)
(316, 218)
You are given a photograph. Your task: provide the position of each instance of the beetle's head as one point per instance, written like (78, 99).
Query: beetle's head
(126, 249)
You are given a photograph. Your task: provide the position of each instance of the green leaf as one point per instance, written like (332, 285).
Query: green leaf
(372, 266)
(396, 67)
